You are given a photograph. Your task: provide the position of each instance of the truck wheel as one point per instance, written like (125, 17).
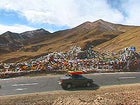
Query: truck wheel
(69, 86)
(88, 84)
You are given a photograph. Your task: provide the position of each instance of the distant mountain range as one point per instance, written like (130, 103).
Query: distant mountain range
(104, 36)
(13, 41)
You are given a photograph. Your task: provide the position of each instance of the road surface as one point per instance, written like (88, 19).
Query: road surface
(23, 85)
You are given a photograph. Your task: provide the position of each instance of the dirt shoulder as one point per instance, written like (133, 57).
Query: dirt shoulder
(109, 95)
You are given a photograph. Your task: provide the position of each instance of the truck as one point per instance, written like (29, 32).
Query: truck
(74, 80)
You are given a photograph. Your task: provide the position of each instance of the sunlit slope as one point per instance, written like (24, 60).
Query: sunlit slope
(127, 39)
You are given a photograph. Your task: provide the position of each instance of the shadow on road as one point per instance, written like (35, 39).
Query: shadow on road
(93, 87)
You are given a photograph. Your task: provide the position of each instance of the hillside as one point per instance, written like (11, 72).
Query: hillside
(10, 41)
(127, 39)
(100, 34)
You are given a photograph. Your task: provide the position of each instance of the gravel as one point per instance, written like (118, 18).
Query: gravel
(109, 95)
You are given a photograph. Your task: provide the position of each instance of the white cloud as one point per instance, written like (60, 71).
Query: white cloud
(132, 7)
(62, 12)
(15, 28)
(71, 12)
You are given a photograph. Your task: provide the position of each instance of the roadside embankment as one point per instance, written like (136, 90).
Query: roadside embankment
(108, 95)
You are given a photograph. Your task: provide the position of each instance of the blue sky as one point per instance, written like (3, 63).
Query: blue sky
(53, 15)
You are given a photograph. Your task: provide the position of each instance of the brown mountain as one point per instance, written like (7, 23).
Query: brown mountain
(129, 38)
(91, 33)
(10, 41)
(101, 34)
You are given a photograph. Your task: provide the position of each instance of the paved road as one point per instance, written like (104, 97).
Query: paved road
(23, 85)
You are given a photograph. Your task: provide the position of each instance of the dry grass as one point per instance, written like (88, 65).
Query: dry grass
(130, 38)
(111, 95)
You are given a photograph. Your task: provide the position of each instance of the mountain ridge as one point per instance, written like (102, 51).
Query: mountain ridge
(98, 34)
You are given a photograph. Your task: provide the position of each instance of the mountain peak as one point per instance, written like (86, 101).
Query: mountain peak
(97, 23)
(7, 32)
(41, 29)
(100, 21)
(86, 24)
